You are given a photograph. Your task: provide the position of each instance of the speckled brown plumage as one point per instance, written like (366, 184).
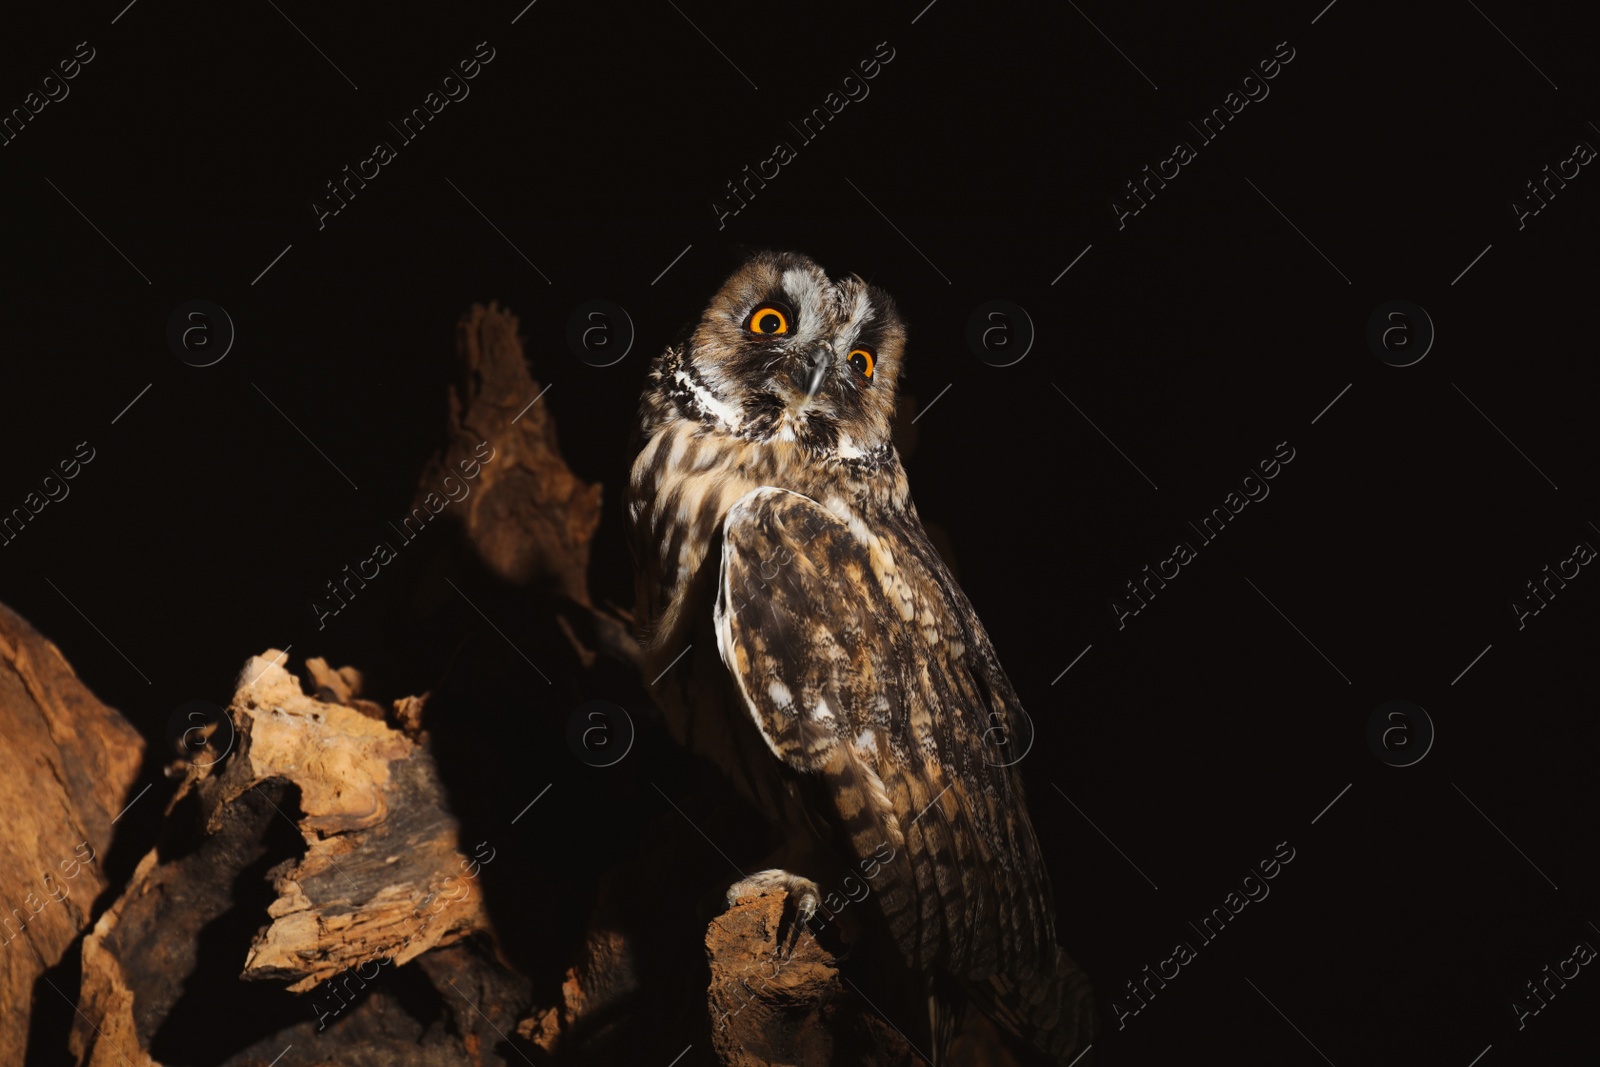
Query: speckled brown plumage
(834, 669)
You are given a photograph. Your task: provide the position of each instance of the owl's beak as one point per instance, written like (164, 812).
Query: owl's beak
(808, 374)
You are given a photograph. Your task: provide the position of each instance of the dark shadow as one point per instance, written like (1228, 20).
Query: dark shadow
(50, 1020)
(219, 1013)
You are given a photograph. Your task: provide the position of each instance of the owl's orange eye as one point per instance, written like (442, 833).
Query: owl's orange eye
(861, 359)
(768, 320)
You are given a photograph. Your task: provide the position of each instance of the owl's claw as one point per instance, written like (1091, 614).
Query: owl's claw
(801, 903)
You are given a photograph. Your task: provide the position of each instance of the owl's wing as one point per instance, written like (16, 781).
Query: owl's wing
(863, 664)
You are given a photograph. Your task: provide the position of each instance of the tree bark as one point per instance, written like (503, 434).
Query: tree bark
(70, 762)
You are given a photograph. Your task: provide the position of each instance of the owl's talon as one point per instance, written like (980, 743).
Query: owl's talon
(802, 898)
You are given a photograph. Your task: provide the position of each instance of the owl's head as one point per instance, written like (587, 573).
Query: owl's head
(784, 352)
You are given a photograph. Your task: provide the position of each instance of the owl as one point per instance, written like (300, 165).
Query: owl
(804, 635)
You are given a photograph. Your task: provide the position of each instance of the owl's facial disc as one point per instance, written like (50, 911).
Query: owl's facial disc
(786, 353)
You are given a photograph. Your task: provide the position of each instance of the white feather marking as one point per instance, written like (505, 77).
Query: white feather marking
(725, 413)
(806, 295)
(862, 312)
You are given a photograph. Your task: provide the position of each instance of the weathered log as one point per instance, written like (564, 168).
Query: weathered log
(531, 517)
(531, 520)
(366, 874)
(772, 1007)
(70, 767)
(315, 880)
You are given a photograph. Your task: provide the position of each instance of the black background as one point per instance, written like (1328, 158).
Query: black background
(1196, 338)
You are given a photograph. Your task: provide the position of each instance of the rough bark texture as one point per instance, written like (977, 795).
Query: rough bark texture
(376, 830)
(770, 1008)
(70, 765)
(530, 520)
(376, 874)
(531, 517)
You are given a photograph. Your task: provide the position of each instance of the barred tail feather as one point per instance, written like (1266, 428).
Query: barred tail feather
(1054, 1013)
